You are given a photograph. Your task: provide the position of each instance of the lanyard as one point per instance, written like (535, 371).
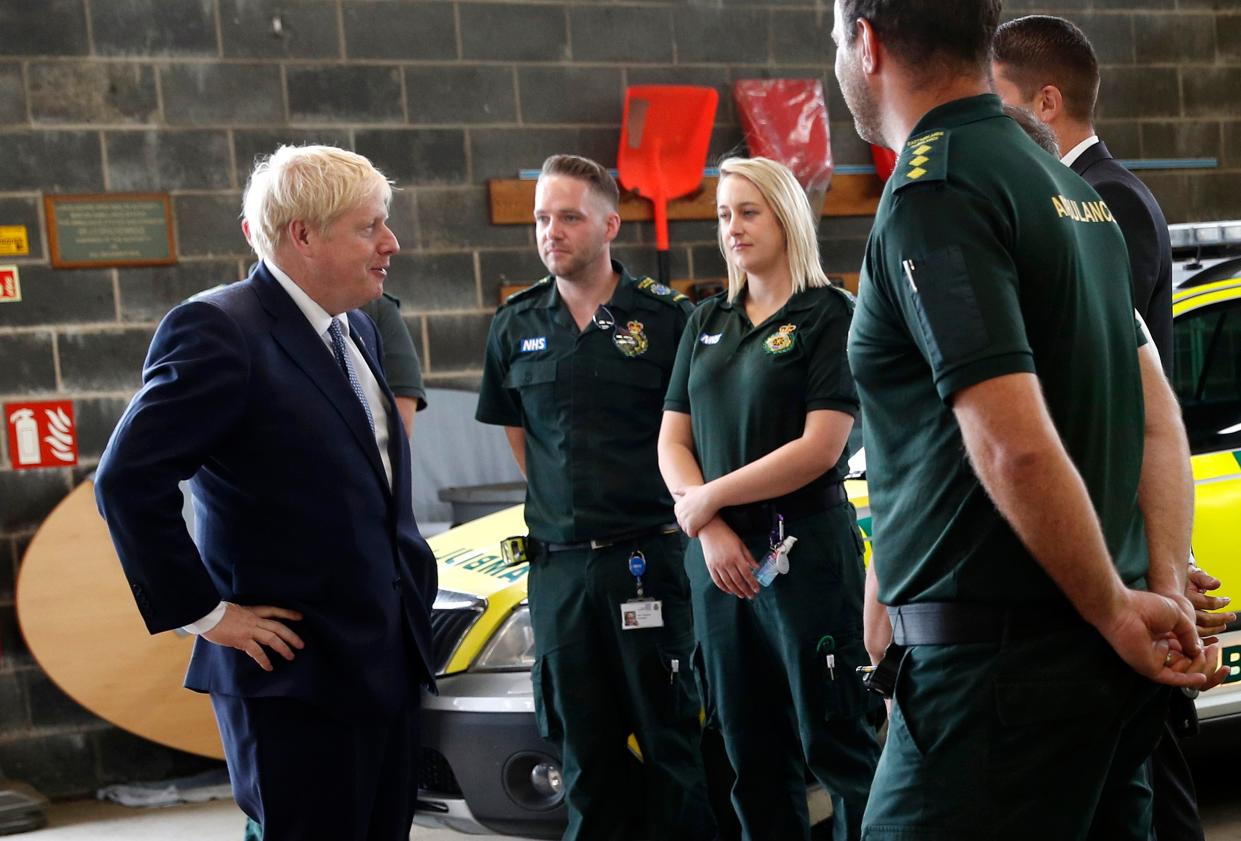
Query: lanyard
(637, 568)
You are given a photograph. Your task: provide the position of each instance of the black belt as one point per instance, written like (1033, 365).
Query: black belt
(954, 623)
(761, 516)
(612, 540)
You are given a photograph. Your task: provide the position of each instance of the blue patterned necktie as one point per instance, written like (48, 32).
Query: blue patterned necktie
(342, 357)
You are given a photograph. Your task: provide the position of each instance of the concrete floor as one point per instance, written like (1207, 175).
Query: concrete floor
(93, 820)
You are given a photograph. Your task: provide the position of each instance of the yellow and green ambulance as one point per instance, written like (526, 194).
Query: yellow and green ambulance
(485, 767)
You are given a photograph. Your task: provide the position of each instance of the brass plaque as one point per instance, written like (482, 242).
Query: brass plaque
(110, 229)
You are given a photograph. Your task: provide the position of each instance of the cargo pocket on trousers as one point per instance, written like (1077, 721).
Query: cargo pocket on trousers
(844, 694)
(544, 713)
(681, 694)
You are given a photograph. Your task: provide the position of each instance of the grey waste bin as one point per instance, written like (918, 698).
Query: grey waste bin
(469, 502)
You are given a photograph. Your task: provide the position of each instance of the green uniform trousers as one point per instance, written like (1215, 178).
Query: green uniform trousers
(1032, 738)
(763, 665)
(595, 684)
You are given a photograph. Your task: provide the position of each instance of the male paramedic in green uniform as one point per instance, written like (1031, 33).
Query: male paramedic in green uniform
(576, 370)
(1030, 549)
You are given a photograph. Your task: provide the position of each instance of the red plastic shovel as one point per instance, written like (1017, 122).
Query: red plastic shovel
(665, 133)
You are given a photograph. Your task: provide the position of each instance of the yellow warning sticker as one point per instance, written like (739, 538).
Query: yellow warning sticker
(13, 241)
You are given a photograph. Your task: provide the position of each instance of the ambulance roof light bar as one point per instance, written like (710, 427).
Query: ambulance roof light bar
(1205, 233)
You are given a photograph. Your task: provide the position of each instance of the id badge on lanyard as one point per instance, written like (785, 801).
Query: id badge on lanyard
(642, 611)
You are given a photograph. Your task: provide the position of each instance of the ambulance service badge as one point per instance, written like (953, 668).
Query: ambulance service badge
(781, 341)
(632, 340)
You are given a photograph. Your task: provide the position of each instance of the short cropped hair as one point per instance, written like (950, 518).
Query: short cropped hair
(933, 35)
(1039, 50)
(779, 188)
(316, 184)
(1035, 129)
(584, 169)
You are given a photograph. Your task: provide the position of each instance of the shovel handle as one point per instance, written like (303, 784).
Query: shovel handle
(661, 235)
(661, 221)
(663, 264)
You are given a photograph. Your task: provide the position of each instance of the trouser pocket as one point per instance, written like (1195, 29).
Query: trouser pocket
(706, 705)
(545, 714)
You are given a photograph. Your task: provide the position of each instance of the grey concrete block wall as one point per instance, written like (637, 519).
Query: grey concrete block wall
(90, 92)
(308, 27)
(180, 96)
(150, 160)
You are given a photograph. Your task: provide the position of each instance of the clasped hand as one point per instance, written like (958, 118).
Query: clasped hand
(694, 508)
(1155, 635)
(728, 560)
(1198, 584)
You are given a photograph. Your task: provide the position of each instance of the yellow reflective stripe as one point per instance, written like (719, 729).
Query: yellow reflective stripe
(1187, 300)
(858, 495)
(1211, 466)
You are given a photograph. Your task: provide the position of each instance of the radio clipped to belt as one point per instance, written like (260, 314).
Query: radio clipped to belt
(515, 550)
(881, 679)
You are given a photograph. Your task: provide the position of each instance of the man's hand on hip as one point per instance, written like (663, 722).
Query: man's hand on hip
(251, 628)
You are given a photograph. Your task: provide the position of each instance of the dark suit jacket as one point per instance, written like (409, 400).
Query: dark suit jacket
(1146, 236)
(292, 506)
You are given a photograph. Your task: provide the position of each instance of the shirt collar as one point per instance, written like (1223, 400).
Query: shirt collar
(622, 296)
(315, 314)
(958, 112)
(797, 301)
(1076, 152)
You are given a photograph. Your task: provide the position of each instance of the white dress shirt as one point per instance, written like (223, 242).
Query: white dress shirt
(320, 321)
(1076, 152)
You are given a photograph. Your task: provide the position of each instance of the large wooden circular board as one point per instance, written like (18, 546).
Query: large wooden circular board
(82, 626)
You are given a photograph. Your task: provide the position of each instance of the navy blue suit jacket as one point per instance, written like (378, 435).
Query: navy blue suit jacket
(292, 507)
(1146, 237)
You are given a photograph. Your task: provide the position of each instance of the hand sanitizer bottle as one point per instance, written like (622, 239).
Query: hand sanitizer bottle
(776, 562)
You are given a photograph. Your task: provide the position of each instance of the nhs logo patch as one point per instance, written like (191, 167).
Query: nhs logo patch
(710, 338)
(537, 343)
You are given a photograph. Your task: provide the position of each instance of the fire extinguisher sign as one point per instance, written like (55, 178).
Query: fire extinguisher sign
(41, 434)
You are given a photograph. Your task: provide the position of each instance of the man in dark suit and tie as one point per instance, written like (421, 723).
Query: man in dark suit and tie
(268, 396)
(1047, 65)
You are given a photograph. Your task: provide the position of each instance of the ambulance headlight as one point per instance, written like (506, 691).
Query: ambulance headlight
(511, 648)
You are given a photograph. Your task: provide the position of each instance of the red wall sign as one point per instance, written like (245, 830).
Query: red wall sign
(41, 434)
(10, 285)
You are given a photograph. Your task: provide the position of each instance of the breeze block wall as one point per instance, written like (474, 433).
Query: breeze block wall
(178, 96)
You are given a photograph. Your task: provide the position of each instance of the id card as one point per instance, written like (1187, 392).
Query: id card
(641, 613)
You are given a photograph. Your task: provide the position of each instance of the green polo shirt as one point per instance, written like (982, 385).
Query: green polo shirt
(747, 388)
(589, 402)
(402, 369)
(989, 257)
